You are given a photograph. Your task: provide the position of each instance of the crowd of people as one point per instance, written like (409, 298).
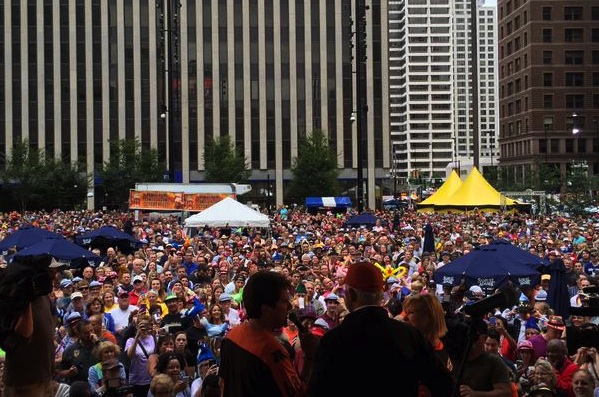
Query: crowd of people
(309, 306)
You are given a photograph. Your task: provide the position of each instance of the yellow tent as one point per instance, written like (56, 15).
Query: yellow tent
(476, 194)
(449, 187)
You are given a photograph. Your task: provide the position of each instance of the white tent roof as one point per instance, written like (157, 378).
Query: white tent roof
(228, 212)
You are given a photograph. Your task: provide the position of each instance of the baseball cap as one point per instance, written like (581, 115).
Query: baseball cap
(331, 297)
(545, 277)
(95, 284)
(77, 279)
(225, 298)
(73, 317)
(110, 363)
(364, 277)
(137, 278)
(65, 283)
(76, 294)
(170, 296)
(525, 345)
(541, 296)
(476, 289)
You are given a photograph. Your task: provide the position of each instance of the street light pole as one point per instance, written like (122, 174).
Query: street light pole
(546, 127)
(596, 124)
(491, 146)
(361, 108)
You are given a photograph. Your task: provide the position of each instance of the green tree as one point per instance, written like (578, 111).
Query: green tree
(33, 180)
(128, 164)
(224, 163)
(64, 185)
(315, 169)
(549, 178)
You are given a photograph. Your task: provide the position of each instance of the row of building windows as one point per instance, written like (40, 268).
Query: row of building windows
(570, 13)
(572, 35)
(568, 145)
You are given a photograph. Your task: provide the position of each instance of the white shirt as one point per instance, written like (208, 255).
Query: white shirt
(121, 317)
(233, 317)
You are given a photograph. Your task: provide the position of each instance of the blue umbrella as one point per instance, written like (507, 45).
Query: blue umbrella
(109, 236)
(558, 297)
(61, 249)
(363, 220)
(25, 236)
(492, 266)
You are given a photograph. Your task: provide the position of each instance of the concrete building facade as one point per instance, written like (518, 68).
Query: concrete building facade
(431, 99)
(78, 74)
(549, 85)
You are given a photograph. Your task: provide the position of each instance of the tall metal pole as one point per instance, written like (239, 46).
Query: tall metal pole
(546, 145)
(596, 123)
(474, 87)
(491, 146)
(361, 108)
(170, 59)
(167, 65)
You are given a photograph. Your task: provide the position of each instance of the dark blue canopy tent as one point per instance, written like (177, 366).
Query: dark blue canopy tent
(109, 236)
(362, 220)
(61, 249)
(492, 266)
(25, 236)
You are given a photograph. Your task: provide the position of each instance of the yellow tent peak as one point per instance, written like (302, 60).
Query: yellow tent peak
(448, 188)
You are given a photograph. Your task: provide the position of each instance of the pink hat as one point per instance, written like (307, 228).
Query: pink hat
(525, 345)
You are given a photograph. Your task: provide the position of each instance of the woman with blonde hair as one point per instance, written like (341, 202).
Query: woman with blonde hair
(104, 351)
(544, 376)
(162, 385)
(425, 313)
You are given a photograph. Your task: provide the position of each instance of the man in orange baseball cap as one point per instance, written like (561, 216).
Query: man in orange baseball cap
(366, 338)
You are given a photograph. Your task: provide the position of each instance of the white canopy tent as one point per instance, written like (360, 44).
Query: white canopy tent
(228, 212)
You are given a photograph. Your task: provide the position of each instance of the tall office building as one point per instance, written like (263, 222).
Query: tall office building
(549, 85)
(430, 85)
(77, 74)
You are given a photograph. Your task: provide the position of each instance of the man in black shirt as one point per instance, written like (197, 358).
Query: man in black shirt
(174, 321)
(79, 356)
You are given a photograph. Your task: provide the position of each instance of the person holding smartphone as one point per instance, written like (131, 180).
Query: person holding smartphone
(138, 350)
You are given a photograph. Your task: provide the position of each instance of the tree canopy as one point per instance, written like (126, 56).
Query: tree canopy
(32, 180)
(224, 163)
(315, 170)
(128, 164)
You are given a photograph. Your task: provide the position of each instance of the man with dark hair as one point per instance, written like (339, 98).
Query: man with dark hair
(174, 321)
(80, 388)
(483, 371)
(253, 361)
(369, 336)
(79, 357)
(557, 355)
